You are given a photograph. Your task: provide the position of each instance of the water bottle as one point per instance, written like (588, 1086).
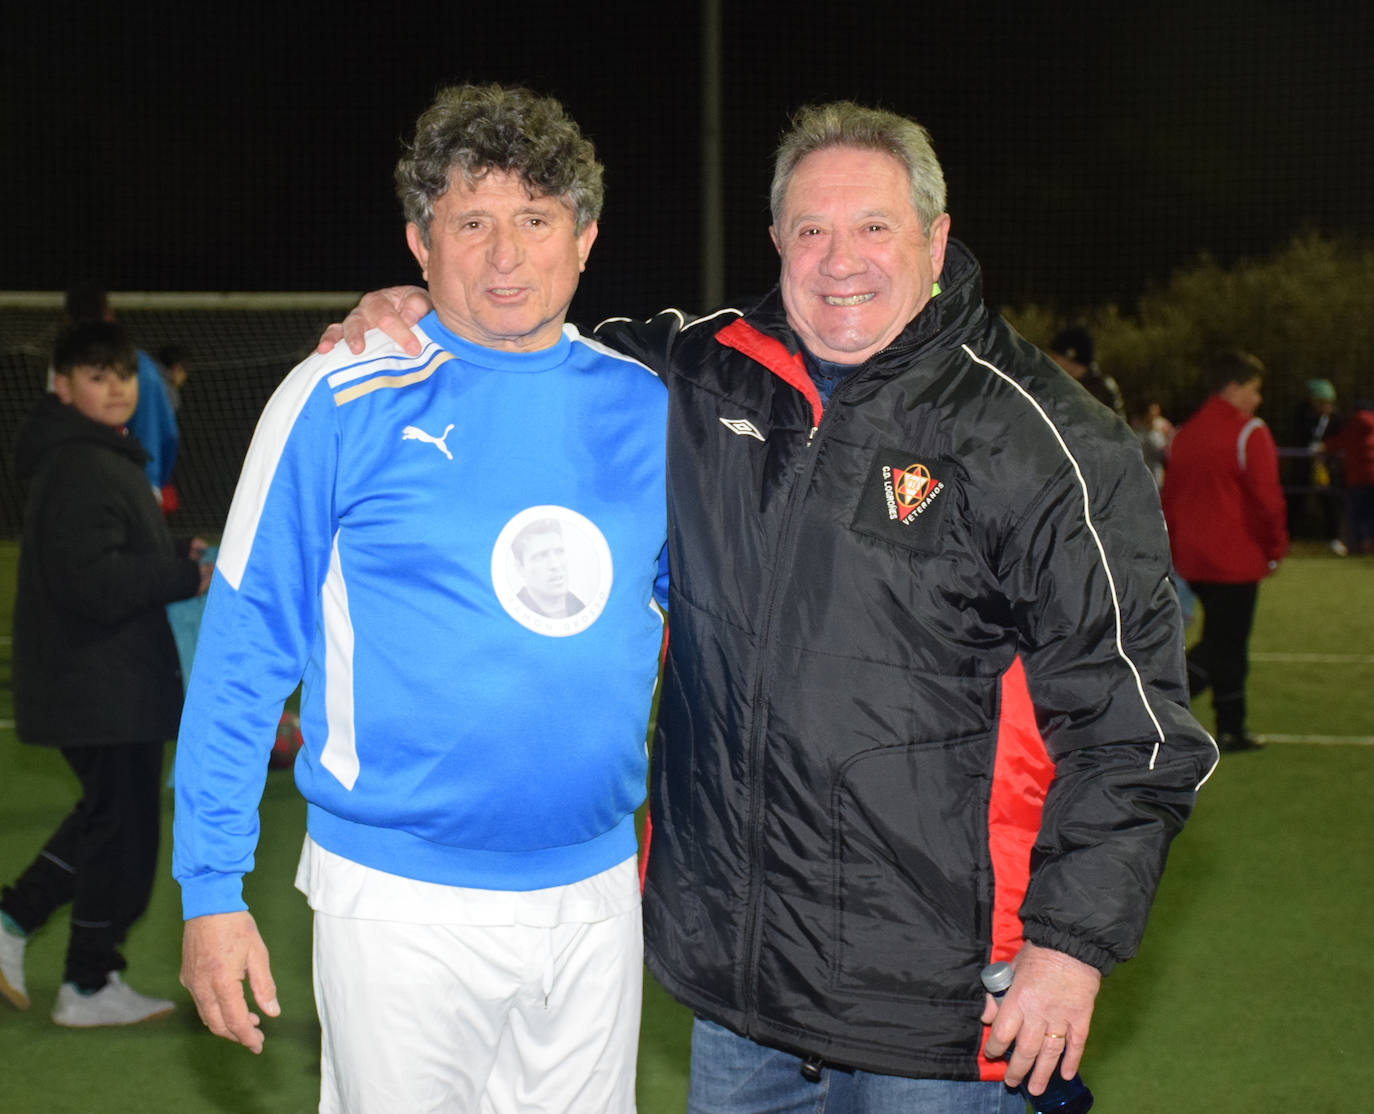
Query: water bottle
(1060, 1096)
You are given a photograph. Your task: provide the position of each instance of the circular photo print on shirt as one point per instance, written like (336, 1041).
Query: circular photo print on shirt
(551, 569)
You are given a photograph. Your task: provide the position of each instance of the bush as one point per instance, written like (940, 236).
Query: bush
(1307, 311)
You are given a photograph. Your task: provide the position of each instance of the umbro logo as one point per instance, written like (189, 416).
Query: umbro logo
(742, 426)
(415, 433)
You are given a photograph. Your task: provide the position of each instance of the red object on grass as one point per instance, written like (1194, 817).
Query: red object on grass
(288, 741)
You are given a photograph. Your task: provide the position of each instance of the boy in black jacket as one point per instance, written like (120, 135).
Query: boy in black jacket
(95, 670)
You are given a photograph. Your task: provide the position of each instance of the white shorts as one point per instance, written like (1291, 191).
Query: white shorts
(478, 1019)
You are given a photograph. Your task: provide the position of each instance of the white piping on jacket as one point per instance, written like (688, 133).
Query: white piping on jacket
(1101, 551)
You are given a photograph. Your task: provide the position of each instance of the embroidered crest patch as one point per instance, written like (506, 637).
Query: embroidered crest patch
(904, 497)
(912, 488)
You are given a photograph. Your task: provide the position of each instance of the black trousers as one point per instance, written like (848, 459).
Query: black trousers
(1221, 659)
(102, 858)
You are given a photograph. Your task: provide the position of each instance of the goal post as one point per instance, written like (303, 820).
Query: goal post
(236, 348)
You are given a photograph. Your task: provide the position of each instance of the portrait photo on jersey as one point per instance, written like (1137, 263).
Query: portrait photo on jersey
(551, 570)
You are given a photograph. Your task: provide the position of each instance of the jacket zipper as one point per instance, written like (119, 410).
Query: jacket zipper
(753, 940)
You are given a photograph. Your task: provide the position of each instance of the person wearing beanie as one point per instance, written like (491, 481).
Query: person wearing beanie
(1313, 501)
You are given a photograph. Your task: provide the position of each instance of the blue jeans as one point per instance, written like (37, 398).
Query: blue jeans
(732, 1075)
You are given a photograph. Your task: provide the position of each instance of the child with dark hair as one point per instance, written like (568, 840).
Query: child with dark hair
(95, 670)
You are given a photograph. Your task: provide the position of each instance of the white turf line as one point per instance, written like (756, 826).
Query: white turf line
(1320, 740)
(1314, 659)
(1317, 659)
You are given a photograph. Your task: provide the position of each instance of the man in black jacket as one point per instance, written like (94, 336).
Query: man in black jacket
(924, 703)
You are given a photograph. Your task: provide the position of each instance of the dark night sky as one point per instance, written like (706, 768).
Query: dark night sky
(249, 147)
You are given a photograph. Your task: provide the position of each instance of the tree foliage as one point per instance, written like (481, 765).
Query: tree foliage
(1307, 311)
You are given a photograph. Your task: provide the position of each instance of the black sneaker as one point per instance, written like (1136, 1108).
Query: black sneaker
(1231, 743)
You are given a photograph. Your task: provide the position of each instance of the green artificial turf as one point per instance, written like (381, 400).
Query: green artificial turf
(1247, 995)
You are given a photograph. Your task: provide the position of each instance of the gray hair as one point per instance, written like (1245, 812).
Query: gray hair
(478, 128)
(846, 124)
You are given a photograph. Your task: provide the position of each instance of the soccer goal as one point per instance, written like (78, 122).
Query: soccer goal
(235, 348)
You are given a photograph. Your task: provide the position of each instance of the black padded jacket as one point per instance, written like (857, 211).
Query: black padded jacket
(924, 694)
(94, 658)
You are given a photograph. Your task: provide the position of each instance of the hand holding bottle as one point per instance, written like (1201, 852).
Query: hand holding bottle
(1053, 1091)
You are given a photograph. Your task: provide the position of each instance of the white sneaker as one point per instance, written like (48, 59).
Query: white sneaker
(12, 969)
(115, 1003)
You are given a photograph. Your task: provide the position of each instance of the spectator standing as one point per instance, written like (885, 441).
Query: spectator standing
(1226, 516)
(1154, 432)
(174, 374)
(95, 671)
(1355, 444)
(1313, 485)
(1074, 350)
(171, 362)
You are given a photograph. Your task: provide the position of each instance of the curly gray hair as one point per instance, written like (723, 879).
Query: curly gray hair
(846, 124)
(477, 128)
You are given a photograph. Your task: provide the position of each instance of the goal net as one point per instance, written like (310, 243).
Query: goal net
(236, 349)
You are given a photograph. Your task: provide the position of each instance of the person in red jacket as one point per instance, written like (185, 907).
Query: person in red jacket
(1227, 529)
(1355, 443)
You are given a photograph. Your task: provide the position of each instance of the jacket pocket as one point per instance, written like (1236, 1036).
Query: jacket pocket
(910, 878)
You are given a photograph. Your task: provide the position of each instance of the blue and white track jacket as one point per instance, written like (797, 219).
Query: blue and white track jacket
(457, 555)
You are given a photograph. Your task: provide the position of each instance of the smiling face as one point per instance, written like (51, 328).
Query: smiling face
(107, 395)
(502, 267)
(857, 265)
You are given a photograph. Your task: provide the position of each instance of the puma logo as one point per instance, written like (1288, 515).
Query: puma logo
(415, 433)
